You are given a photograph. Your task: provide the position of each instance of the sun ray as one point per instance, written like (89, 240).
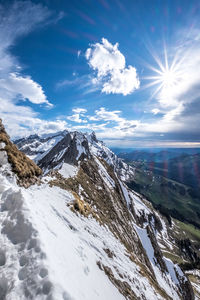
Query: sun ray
(167, 75)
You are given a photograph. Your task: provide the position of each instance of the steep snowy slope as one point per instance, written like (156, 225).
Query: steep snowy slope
(80, 233)
(36, 146)
(70, 147)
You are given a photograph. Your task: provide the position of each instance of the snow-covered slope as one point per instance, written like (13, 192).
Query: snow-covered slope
(80, 233)
(36, 146)
(70, 147)
(49, 251)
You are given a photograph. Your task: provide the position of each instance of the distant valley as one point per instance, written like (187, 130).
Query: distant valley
(170, 179)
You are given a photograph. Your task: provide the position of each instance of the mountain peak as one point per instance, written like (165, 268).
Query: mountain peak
(71, 148)
(93, 137)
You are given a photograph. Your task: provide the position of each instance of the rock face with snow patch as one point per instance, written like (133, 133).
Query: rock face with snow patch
(82, 234)
(26, 170)
(36, 146)
(70, 147)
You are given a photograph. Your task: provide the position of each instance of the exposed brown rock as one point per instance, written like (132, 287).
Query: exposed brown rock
(25, 169)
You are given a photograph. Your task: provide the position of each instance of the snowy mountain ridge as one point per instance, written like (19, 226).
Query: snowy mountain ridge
(70, 147)
(80, 233)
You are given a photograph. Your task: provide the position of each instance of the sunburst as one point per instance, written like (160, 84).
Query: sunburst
(166, 78)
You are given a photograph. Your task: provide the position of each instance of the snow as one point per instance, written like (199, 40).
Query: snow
(40, 146)
(166, 281)
(57, 253)
(146, 243)
(2, 145)
(74, 244)
(174, 270)
(81, 150)
(60, 154)
(99, 149)
(197, 288)
(139, 206)
(125, 193)
(45, 147)
(80, 138)
(104, 174)
(3, 158)
(68, 170)
(70, 258)
(54, 252)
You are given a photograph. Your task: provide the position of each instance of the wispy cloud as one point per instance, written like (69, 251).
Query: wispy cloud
(23, 87)
(17, 19)
(78, 116)
(105, 122)
(155, 111)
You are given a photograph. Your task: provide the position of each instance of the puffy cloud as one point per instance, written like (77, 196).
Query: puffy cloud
(122, 82)
(110, 66)
(22, 120)
(105, 58)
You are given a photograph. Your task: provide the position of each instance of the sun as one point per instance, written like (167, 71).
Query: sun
(169, 78)
(166, 78)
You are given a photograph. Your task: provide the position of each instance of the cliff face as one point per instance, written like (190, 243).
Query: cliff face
(81, 233)
(25, 169)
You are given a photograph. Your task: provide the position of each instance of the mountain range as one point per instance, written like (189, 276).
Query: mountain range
(72, 229)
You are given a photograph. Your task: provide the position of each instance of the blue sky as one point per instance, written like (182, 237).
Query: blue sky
(127, 69)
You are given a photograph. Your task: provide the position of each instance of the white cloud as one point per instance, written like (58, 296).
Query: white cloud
(121, 124)
(176, 78)
(77, 116)
(103, 114)
(110, 65)
(105, 122)
(17, 19)
(80, 111)
(78, 53)
(122, 82)
(22, 120)
(155, 111)
(173, 113)
(105, 58)
(24, 87)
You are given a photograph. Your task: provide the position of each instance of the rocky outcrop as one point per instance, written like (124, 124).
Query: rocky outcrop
(26, 170)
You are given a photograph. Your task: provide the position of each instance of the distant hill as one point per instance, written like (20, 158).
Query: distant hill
(184, 169)
(170, 180)
(169, 196)
(154, 155)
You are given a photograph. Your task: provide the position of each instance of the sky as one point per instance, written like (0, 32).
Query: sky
(129, 70)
